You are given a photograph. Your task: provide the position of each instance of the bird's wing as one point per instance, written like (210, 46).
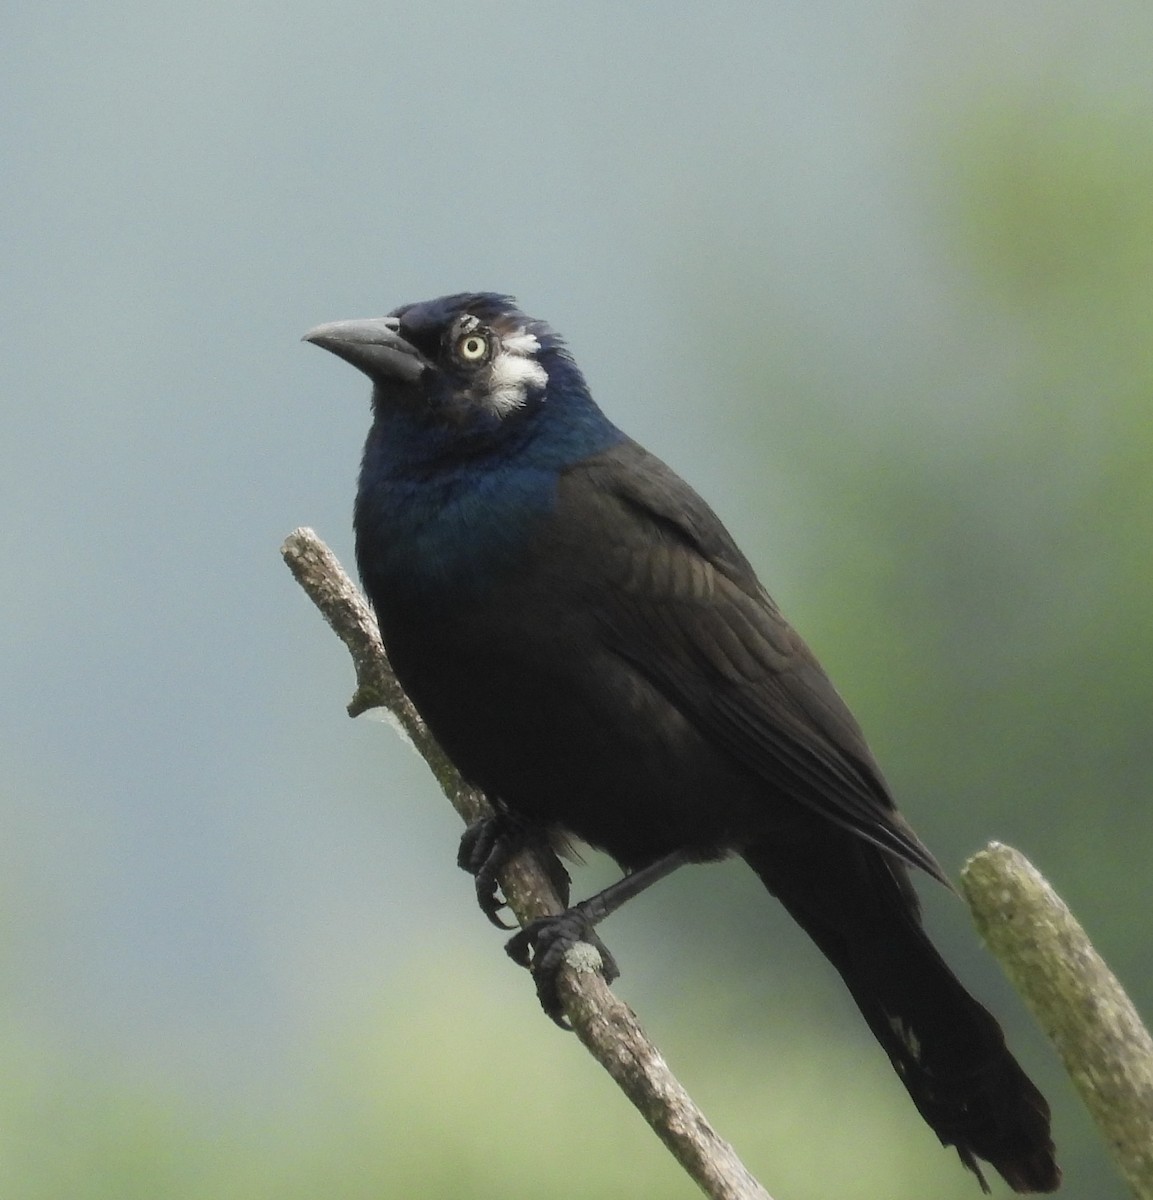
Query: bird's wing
(683, 606)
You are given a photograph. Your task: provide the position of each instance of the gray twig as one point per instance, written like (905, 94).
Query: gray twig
(1075, 997)
(606, 1026)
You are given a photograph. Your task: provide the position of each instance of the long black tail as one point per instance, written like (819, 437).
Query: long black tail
(857, 904)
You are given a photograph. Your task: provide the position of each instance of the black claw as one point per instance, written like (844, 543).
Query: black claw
(488, 896)
(478, 842)
(485, 849)
(541, 946)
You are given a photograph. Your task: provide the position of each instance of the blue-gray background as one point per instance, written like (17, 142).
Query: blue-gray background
(876, 278)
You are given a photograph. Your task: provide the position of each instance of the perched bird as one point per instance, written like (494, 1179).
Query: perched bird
(590, 648)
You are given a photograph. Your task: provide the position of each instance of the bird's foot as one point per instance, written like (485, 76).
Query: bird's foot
(542, 945)
(486, 847)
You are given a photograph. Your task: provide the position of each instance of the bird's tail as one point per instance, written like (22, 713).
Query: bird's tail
(858, 905)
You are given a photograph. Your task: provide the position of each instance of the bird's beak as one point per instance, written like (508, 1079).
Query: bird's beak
(373, 346)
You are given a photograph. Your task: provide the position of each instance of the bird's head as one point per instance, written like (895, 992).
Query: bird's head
(465, 363)
(477, 411)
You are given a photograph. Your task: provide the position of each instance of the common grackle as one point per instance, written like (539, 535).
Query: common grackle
(591, 649)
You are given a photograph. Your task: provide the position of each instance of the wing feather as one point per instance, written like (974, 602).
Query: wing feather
(685, 609)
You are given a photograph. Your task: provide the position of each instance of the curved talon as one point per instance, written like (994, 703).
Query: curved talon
(489, 901)
(485, 847)
(541, 946)
(521, 946)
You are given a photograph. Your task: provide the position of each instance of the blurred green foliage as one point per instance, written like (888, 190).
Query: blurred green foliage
(447, 1092)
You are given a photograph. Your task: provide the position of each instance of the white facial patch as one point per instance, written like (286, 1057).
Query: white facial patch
(514, 371)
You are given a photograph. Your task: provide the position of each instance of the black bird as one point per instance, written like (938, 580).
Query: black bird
(589, 646)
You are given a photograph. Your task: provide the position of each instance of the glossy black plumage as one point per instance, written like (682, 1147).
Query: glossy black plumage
(591, 648)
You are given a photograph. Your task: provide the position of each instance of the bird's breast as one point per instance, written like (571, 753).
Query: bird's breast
(447, 541)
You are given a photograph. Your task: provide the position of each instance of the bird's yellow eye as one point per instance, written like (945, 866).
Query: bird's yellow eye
(473, 347)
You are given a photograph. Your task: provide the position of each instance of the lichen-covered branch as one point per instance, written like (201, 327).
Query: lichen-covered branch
(1075, 997)
(606, 1026)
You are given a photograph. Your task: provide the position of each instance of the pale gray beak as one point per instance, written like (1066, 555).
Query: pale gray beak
(372, 345)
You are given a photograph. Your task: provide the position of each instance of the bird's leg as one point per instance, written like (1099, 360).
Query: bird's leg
(542, 944)
(486, 847)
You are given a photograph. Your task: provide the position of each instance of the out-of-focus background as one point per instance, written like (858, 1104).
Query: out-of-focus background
(878, 279)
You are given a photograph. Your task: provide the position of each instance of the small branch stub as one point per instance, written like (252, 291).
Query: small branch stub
(1075, 997)
(606, 1026)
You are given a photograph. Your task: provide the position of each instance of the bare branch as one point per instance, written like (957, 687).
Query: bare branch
(606, 1026)
(1075, 997)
